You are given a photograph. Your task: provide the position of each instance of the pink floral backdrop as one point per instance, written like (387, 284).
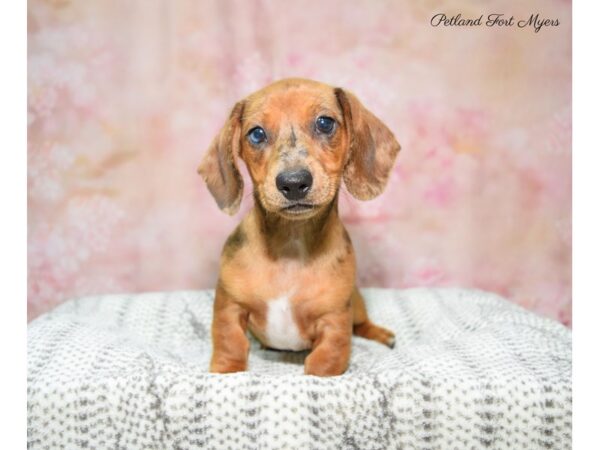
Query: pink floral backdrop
(125, 96)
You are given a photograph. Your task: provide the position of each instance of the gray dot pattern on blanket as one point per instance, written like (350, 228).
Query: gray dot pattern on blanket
(469, 371)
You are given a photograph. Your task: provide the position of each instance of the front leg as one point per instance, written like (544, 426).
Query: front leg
(230, 343)
(331, 350)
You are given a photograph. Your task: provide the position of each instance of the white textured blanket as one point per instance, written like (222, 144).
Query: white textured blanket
(469, 371)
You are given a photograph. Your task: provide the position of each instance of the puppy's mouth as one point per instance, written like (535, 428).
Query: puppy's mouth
(298, 208)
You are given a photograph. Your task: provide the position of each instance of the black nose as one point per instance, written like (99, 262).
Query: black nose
(294, 184)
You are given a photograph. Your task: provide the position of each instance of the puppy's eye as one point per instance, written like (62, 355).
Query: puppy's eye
(325, 124)
(257, 136)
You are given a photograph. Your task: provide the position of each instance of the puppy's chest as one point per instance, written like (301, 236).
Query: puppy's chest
(289, 297)
(281, 329)
(286, 296)
(285, 291)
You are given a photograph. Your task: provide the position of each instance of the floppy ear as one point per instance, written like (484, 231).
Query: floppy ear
(219, 167)
(373, 148)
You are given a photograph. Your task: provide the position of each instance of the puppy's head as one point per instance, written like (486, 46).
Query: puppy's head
(299, 138)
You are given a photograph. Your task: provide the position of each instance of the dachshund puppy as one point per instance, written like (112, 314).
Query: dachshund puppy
(288, 270)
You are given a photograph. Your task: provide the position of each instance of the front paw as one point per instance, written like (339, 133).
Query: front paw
(227, 366)
(322, 365)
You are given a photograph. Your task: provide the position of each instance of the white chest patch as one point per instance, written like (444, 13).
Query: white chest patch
(282, 332)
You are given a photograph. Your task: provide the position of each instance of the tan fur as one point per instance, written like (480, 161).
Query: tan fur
(306, 257)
